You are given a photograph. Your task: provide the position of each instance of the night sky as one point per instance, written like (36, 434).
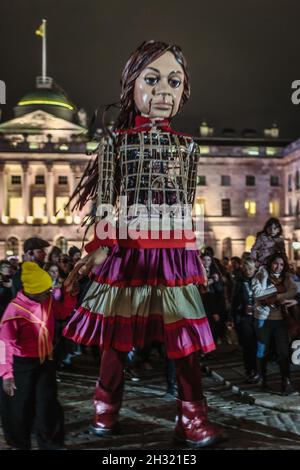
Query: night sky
(243, 54)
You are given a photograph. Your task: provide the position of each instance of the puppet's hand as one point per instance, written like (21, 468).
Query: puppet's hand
(9, 386)
(83, 266)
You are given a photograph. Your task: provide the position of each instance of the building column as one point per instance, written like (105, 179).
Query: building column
(50, 191)
(218, 248)
(25, 191)
(3, 191)
(2, 249)
(75, 176)
(72, 180)
(238, 246)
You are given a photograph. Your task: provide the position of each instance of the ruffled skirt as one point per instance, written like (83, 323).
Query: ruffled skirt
(142, 295)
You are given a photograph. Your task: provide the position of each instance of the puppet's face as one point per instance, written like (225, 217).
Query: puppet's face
(158, 89)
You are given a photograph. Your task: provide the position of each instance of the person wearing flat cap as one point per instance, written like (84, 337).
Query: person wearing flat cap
(28, 393)
(34, 250)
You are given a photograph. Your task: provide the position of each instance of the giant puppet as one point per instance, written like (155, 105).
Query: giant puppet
(145, 282)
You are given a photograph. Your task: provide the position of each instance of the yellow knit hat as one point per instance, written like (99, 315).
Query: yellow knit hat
(34, 279)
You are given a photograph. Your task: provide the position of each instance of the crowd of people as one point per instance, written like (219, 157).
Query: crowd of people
(255, 296)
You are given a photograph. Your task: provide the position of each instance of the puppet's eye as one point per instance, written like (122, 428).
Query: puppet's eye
(174, 82)
(151, 80)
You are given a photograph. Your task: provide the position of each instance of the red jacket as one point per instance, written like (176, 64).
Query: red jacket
(27, 329)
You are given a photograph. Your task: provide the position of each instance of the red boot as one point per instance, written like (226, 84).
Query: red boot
(106, 414)
(193, 427)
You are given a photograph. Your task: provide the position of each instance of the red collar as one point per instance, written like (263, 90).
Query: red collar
(143, 123)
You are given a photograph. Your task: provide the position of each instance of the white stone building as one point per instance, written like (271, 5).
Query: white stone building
(42, 156)
(241, 181)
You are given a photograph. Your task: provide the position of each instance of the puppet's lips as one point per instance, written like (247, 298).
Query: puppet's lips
(162, 105)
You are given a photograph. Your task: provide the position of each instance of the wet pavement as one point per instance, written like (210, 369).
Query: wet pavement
(147, 419)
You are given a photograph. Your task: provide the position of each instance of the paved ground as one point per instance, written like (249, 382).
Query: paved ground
(147, 420)
(226, 367)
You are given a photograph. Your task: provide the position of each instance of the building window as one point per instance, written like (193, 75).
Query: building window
(290, 207)
(15, 179)
(274, 208)
(250, 180)
(61, 202)
(15, 207)
(290, 184)
(204, 150)
(62, 243)
(250, 240)
(225, 180)
(297, 180)
(250, 207)
(226, 248)
(201, 180)
(270, 151)
(296, 250)
(62, 180)
(38, 207)
(226, 208)
(274, 180)
(12, 247)
(252, 151)
(200, 206)
(39, 179)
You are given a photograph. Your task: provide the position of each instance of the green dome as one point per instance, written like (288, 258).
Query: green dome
(46, 97)
(49, 97)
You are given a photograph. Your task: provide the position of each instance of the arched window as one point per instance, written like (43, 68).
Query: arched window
(290, 207)
(250, 240)
(290, 183)
(12, 247)
(297, 180)
(296, 249)
(200, 206)
(227, 248)
(62, 243)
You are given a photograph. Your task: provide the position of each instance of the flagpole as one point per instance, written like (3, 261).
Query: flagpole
(44, 57)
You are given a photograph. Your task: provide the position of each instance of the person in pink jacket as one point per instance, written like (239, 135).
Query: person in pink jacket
(29, 393)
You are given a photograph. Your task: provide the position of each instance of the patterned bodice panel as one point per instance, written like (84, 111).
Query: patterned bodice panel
(154, 167)
(157, 168)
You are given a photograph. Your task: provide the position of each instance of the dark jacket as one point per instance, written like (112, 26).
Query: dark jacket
(214, 298)
(241, 298)
(17, 283)
(6, 295)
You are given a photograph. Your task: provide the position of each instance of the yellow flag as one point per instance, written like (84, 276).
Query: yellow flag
(40, 31)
